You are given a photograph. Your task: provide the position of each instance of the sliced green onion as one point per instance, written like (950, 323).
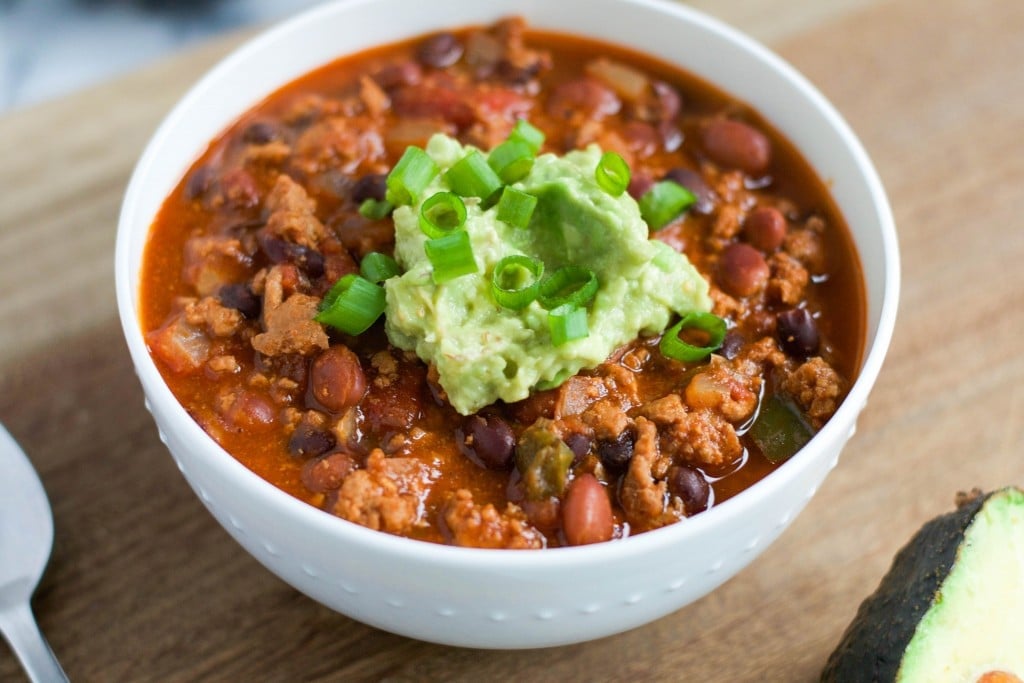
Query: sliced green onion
(375, 209)
(378, 267)
(573, 285)
(567, 323)
(612, 174)
(524, 132)
(410, 176)
(779, 430)
(443, 213)
(511, 160)
(706, 323)
(470, 176)
(451, 256)
(352, 304)
(516, 207)
(515, 281)
(663, 202)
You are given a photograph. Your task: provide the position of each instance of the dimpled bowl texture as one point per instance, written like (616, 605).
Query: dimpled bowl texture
(498, 598)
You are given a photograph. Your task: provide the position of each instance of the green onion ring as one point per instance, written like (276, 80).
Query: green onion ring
(352, 304)
(673, 347)
(451, 256)
(567, 323)
(516, 268)
(377, 267)
(442, 214)
(612, 174)
(575, 285)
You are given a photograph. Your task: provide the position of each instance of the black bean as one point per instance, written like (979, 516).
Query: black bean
(199, 182)
(239, 297)
(309, 442)
(797, 332)
(691, 487)
(616, 453)
(693, 182)
(489, 439)
(732, 344)
(260, 133)
(278, 250)
(579, 444)
(440, 51)
(371, 186)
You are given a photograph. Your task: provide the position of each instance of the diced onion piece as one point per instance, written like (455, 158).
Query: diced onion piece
(709, 324)
(442, 214)
(612, 174)
(525, 132)
(378, 267)
(572, 285)
(352, 304)
(516, 207)
(515, 281)
(375, 209)
(627, 82)
(511, 160)
(661, 204)
(451, 256)
(472, 177)
(410, 176)
(567, 323)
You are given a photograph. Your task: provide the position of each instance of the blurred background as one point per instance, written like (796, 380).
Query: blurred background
(52, 47)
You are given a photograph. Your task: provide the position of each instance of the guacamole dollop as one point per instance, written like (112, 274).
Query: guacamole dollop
(484, 352)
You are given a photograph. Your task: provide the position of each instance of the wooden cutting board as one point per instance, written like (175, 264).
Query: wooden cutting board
(143, 585)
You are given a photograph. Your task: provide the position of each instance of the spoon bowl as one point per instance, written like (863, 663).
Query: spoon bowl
(26, 536)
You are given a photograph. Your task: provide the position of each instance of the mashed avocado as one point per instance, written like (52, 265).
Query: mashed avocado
(484, 352)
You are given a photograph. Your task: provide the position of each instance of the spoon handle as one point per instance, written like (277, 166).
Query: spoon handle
(23, 634)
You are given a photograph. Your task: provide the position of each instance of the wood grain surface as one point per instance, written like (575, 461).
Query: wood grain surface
(143, 585)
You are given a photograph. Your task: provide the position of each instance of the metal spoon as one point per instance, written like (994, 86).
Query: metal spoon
(26, 536)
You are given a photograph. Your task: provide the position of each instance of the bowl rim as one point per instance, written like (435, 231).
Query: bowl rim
(317, 521)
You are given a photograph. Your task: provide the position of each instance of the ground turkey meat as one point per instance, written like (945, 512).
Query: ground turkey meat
(700, 437)
(482, 526)
(643, 497)
(288, 323)
(817, 388)
(384, 496)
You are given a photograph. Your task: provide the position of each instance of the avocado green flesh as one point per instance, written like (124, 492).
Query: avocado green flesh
(483, 352)
(951, 607)
(976, 621)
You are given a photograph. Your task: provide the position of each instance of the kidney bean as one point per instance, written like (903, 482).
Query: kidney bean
(337, 379)
(370, 186)
(797, 332)
(249, 411)
(439, 51)
(616, 453)
(587, 512)
(691, 487)
(584, 96)
(489, 439)
(734, 144)
(742, 270)
(669, 101)
(693, 182)
(308, 442)
(326, 473)
(394, 75)
(261, 132)
(765, 228)
(238, 296)
(639, 184)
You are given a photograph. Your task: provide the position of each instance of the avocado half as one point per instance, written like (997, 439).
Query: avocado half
(951, 607)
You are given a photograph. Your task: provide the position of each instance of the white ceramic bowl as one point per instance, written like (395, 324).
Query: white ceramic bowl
(495, 598)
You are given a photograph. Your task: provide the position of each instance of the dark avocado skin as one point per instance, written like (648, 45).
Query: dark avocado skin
(872, 647)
